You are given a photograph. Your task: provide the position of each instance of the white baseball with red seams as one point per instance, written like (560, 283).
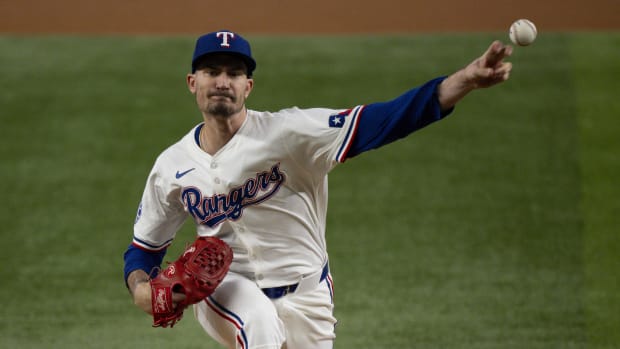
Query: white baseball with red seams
(523, 32)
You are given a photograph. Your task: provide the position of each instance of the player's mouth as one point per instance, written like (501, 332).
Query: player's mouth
(221, 96)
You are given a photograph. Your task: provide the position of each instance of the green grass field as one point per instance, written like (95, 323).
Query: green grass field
(496, 228)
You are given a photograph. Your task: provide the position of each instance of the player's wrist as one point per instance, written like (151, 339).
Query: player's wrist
(142, 296)
(136, 278)
(452, 89)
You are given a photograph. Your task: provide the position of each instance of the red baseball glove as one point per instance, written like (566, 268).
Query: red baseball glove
(196, 274)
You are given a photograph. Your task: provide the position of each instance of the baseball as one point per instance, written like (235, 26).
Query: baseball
(523, 32)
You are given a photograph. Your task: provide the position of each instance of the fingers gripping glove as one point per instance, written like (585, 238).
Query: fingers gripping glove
(196, 274)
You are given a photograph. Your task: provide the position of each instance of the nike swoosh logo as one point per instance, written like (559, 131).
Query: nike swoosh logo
(181, 174)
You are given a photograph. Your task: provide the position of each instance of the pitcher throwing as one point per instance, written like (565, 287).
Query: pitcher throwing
(257, 180)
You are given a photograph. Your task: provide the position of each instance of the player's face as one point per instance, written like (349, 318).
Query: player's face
(221, 85)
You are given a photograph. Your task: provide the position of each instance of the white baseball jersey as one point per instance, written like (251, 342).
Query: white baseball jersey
(264, 192)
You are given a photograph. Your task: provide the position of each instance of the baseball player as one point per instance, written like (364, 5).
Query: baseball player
(258, 181)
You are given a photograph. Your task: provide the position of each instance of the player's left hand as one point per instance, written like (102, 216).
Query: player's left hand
(189, 279)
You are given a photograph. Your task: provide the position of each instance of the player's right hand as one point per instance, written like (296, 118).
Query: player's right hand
(142, 297)
(490, 68)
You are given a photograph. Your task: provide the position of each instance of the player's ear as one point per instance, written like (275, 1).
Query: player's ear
(191, 83)
(248, 87)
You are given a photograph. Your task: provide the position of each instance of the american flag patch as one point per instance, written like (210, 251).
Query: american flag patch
(337, 120)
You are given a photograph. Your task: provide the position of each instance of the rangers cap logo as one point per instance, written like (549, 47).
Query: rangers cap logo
(225, 36)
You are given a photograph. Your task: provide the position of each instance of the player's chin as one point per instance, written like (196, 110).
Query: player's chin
(222, 109)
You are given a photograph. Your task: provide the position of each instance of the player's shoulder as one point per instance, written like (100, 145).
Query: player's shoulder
(289, 121)
(292, 115)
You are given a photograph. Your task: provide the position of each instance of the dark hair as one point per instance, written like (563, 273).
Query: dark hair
(203, 61)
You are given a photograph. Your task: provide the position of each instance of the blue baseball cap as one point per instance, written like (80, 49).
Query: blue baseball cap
(224, 41)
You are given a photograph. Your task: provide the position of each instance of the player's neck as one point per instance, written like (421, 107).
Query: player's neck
(218, 131)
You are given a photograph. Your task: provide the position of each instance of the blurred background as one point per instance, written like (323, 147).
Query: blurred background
(495, 228)
(302, 16)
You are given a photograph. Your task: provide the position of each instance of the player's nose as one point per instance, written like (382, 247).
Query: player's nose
(222, 81)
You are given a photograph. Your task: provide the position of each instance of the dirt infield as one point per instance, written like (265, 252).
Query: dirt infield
(301, 16)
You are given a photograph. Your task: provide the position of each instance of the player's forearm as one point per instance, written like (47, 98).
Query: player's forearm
(453, 89)
(138, 283)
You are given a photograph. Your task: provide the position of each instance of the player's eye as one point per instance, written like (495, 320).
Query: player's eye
(211, 71)
(236, 73)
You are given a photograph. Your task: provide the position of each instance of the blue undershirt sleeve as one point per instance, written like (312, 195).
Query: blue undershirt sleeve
(386, 122)
(136, 258)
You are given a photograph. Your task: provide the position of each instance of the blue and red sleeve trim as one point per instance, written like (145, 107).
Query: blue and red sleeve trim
(341, 156)
(143, 245)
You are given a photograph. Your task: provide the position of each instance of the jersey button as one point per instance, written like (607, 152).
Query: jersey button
(260, 276)
(216, 180)
(214, 165)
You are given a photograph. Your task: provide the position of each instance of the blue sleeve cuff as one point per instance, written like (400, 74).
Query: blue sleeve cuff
(136, 258)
